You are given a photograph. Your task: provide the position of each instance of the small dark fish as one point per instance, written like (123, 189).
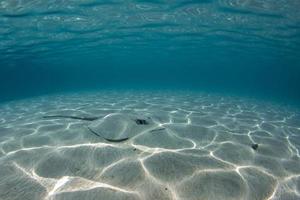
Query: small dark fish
(254, 146)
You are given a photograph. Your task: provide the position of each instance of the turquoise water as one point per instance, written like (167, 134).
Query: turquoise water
(144, 100)
(247, 47)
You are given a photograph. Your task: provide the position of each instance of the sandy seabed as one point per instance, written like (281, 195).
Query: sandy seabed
(197, 147)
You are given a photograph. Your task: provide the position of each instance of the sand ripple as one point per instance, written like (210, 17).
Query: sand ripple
(196, 146)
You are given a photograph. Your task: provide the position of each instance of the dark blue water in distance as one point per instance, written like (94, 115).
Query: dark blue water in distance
(248, 47)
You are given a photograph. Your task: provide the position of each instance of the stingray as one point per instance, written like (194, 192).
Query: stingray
(71, 117)
(116, 127)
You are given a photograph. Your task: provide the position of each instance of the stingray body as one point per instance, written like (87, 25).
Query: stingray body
(116, 127)
(120, 127)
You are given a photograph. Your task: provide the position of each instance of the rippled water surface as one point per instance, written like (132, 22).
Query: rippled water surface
(240, 46)
(38, 27)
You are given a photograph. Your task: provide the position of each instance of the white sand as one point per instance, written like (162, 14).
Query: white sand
(201, 150)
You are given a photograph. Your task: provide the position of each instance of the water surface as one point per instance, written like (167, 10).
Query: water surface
(247, 47)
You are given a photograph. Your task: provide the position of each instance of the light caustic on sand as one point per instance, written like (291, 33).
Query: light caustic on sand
(201, 149)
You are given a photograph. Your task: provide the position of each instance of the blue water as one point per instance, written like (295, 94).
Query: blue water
(150, 100)
(245, 47)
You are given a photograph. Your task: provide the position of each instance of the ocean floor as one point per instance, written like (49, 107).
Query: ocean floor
(129, 145)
